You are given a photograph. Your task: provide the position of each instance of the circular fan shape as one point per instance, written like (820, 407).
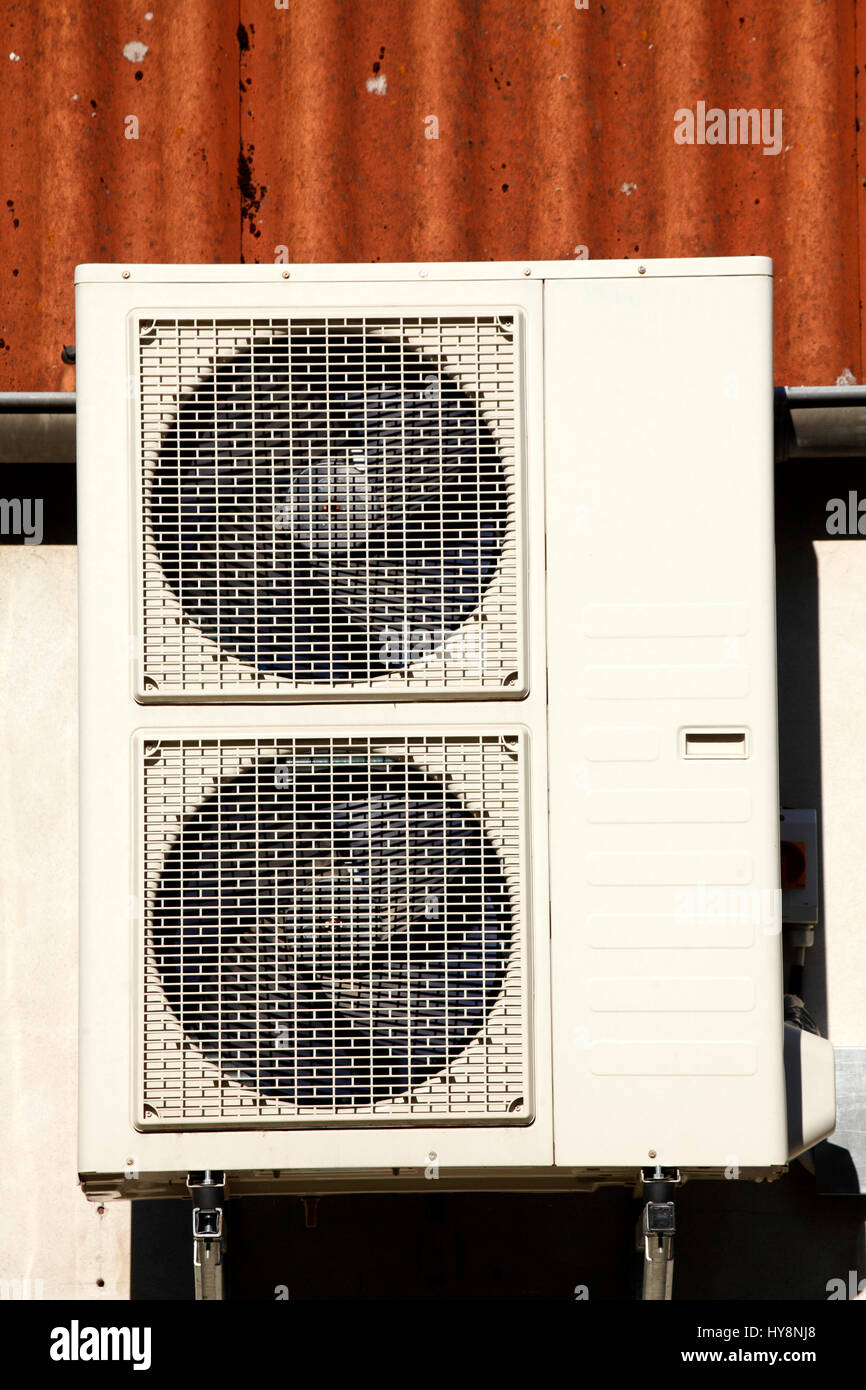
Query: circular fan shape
(324, 498)
(332, 932)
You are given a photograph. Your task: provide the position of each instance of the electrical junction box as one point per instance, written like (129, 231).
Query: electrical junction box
(799, 857)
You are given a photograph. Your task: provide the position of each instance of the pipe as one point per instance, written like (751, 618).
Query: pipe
(816, 397)
(821, 433)
(37, 438)
(811, 421)
(37, 402)
(820, 422)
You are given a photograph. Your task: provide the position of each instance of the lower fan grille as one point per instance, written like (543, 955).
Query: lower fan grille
(333, 930)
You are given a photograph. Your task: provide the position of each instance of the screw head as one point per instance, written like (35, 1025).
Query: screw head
(286, 274)
(641, 270)
(652, 1153)
(423, 274)
(528, 270)
(124, 275)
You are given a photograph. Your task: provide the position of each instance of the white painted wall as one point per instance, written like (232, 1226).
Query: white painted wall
(49, 1233)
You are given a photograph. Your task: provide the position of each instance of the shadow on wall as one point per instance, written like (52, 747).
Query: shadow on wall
(466, 1247)
(410, 1247)
(802, 490)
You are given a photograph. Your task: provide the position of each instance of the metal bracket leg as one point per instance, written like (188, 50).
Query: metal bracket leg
(658, 1227)
(207, 1190)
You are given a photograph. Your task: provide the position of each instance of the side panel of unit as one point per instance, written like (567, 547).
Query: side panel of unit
(667, 984)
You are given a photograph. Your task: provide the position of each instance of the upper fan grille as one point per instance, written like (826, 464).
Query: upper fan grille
(329, 506)
(333, 930)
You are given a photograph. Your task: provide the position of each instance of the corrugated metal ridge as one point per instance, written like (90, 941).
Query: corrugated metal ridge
(393, 132)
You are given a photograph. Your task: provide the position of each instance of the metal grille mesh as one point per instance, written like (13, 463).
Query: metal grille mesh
(329, 505)
(333, 930)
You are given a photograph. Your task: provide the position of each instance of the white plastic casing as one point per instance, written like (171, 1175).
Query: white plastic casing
(651, 910)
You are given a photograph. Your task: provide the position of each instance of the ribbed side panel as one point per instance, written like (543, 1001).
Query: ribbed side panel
(329, 506)
(333, 930)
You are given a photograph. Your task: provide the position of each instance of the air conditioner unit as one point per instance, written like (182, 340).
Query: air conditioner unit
(429, 807)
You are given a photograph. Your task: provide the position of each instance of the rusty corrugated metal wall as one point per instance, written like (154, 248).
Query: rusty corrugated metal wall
(426, 129)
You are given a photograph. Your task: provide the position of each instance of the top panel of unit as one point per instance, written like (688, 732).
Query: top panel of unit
(413, 271)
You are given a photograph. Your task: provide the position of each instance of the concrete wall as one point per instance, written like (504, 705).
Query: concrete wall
(49, 1234)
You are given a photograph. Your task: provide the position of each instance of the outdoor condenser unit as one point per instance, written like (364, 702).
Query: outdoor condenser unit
(429, 808)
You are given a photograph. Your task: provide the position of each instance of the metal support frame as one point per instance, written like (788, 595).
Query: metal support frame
(207, 1190)
(656, 1233)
